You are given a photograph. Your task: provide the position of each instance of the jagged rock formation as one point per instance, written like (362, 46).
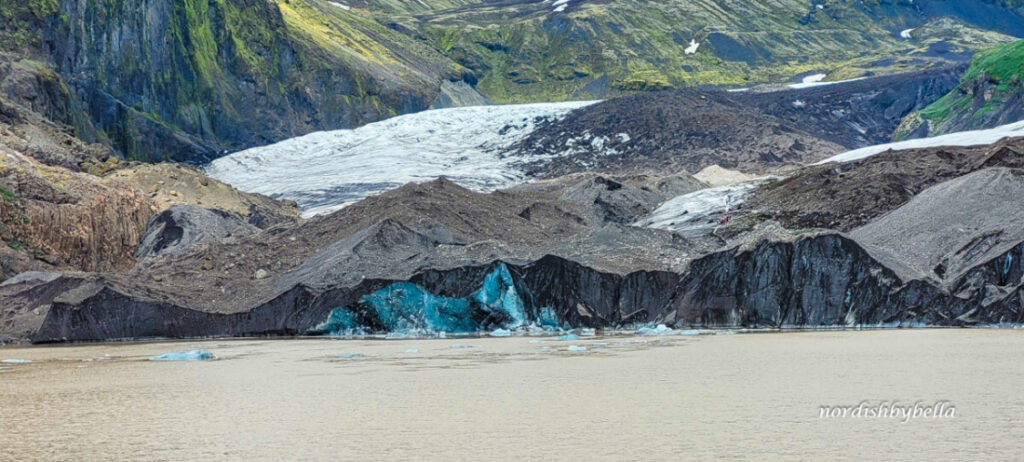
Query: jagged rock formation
(990, 94)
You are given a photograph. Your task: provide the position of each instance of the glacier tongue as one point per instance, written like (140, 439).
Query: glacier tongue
(326, 171)
(967, 138)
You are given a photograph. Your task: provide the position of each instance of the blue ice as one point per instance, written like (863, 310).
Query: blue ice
(567, 337)
(16, 361)
(412, 350)
(690, 332)
(194, 355)
(501, 333)
(661, 329)
(499, 293)
(349, 355)
(577, 348)
(460, 346)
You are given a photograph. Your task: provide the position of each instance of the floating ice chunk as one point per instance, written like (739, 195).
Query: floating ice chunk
(349, 355)
(16, 361)
(661, 329)
(194, 355)
(690, 332)
(501, 333)
(460, 346)
(412, 350)
(577, 348)
(536, 341)
(588, 332)
(599, 345)
(567, 337)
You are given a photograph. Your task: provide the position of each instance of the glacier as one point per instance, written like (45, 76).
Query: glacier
(326, 171)
(699, 210)
(966, 138)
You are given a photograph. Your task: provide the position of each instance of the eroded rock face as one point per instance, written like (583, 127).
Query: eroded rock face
(825, 280)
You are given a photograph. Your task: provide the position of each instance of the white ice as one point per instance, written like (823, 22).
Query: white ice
(325, 171)
(698, 210)
(968, 138)
(815, 80)
(194, 355)
(339, 5)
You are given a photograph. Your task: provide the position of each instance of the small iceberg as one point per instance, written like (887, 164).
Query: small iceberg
(577, 348)
(661, 329)
(567, 337)
(588, 332)
(536, 341)
(501, 333)
(16, 361)
(690, 332)
(194, 355)
(412, 350)
(349, 355)
(460, 346)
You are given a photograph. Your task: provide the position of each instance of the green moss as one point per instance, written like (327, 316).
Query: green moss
(6, 195)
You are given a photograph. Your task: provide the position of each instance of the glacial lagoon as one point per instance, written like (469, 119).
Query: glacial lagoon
(738, 396)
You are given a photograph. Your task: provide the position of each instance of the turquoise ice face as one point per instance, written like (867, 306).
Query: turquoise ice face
(404, 306)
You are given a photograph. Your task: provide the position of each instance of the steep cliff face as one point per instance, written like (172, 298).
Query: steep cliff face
(826, 280)
(185, 80)
(990, 94)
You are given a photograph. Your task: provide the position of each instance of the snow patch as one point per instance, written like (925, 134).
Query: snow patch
(342, 6)
(326, 171)
(815, 80)
(967, 138)
(906, 34)
(694, 45)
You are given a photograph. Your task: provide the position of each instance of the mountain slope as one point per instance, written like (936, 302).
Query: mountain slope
(991, 93)
(523, 51)
(185, 80)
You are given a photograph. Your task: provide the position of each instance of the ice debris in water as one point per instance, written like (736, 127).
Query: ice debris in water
(16, 361)
(194, 355)
(661, 329)
(567, 337)
(577, 348)
(461, 346)
(501, 333)
(690, 332)
(349, 355)
(588, 332)
(412, 350)
(536, 341)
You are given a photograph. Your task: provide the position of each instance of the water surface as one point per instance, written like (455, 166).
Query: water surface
(740, 397)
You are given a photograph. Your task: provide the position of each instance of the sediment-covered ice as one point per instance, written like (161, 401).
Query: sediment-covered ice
(194, 355)
(326, 171)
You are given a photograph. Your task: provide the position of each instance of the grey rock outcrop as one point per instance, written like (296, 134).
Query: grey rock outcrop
(182, 226)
